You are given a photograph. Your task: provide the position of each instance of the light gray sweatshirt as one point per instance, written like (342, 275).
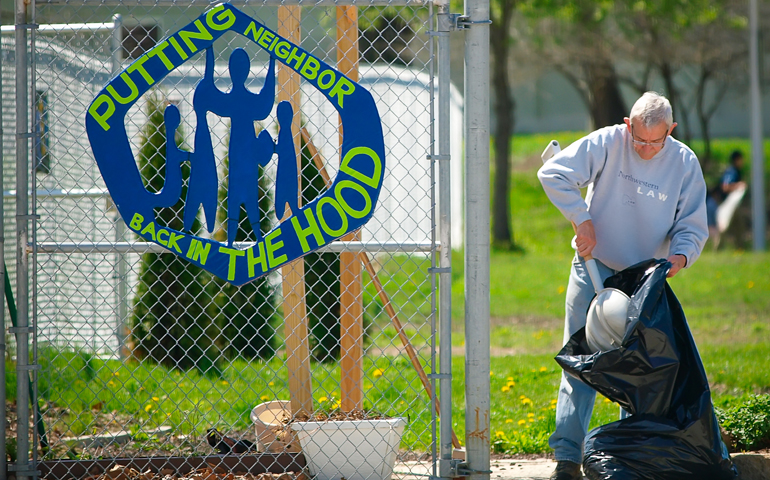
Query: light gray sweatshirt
(640, 209)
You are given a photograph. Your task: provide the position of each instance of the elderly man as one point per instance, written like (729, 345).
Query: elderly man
(644, 200)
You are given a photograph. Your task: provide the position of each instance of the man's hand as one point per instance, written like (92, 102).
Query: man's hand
(586, 238)
(678, 262)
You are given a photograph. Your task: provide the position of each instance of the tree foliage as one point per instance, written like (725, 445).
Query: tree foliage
(246, 314)
(173, 314)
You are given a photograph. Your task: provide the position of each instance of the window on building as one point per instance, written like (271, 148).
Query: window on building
(138, 39)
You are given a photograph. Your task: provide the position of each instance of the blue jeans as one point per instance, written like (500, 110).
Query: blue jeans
(575, 401)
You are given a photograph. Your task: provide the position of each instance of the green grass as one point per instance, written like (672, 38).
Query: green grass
(154, 396)
(725, 296)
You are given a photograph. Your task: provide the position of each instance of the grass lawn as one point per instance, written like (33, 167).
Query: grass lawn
(725, 296)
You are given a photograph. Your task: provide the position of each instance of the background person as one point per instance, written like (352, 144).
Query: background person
(729, 182)
(644, 200)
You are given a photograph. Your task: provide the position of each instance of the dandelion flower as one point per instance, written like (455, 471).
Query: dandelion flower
(522, 422)
(532, 420)
(543, 369)
(606, 400)
(110, 383)
(522, 397)
(377, 373)
(148, 407)
(530, 414)
(561, 289)
(264, 397)
(553, 402)
(117, 374)
(505, 389)
(508, 420)
(750, 284)
(510, 379)
(224, 382)
(511, 384)
(323, 399)
(401, 402)
(270, 384)
(156, 399)
(500, 434)
(526, 401)
(491, 373)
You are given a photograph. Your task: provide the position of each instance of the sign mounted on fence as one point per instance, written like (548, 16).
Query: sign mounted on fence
(346, 206)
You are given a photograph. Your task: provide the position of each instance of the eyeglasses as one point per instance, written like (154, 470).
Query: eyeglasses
(658, 143)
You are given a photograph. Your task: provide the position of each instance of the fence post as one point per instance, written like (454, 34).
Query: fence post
(22, 233)
(445, 232)
(294, 306)
(116, 40)
(3, 348)
(477, 429)
(351, 295)
(757, 153)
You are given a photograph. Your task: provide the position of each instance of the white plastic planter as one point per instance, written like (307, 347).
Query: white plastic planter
(353, 449)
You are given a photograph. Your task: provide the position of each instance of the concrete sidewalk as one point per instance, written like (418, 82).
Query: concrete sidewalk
(536, 469)
(752, 466)
(502, 469)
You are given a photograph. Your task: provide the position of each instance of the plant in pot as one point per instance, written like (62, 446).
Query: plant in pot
(356, 446)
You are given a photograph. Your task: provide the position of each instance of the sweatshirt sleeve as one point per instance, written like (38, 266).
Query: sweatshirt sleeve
(574, 168)
(690, 229)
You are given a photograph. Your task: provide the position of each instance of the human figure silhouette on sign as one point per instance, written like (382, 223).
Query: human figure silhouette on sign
(246, 151)
(172, 184)
(287, 178)
(202, 189)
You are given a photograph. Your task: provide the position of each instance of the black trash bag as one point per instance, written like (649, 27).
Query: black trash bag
(658, 377)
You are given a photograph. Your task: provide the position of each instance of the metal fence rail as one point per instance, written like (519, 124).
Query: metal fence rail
(132, 352)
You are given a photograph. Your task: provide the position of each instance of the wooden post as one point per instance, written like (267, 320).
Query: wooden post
(351, 301)
(294, 307)
(319, 163)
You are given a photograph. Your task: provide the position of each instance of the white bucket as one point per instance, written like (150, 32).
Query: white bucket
(353, 449)
(270, 424)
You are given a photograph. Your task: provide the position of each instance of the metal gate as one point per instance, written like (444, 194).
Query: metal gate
(139, 359)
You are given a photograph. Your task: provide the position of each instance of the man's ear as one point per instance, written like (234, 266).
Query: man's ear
(672, 128)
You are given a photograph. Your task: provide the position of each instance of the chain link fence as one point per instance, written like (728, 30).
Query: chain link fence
(144, 355)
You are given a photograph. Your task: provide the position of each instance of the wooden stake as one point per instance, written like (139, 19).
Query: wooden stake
(294, 307)
(351, 301)
(319, 163)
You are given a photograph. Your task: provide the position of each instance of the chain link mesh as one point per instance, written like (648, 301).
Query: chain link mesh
(145, 355)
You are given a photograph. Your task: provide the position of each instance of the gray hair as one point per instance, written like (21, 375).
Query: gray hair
(652, 109)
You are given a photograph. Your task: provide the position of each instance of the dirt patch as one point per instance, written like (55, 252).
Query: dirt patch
(124, 472)
(103, 424)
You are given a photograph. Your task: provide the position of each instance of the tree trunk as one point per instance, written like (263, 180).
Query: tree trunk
(607, 106)
(703, 118)
(504, 105)
(676, 103)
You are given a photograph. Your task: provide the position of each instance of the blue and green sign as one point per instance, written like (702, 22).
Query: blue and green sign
(344, 207)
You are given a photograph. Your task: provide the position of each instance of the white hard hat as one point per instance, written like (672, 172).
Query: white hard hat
(607, 319)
